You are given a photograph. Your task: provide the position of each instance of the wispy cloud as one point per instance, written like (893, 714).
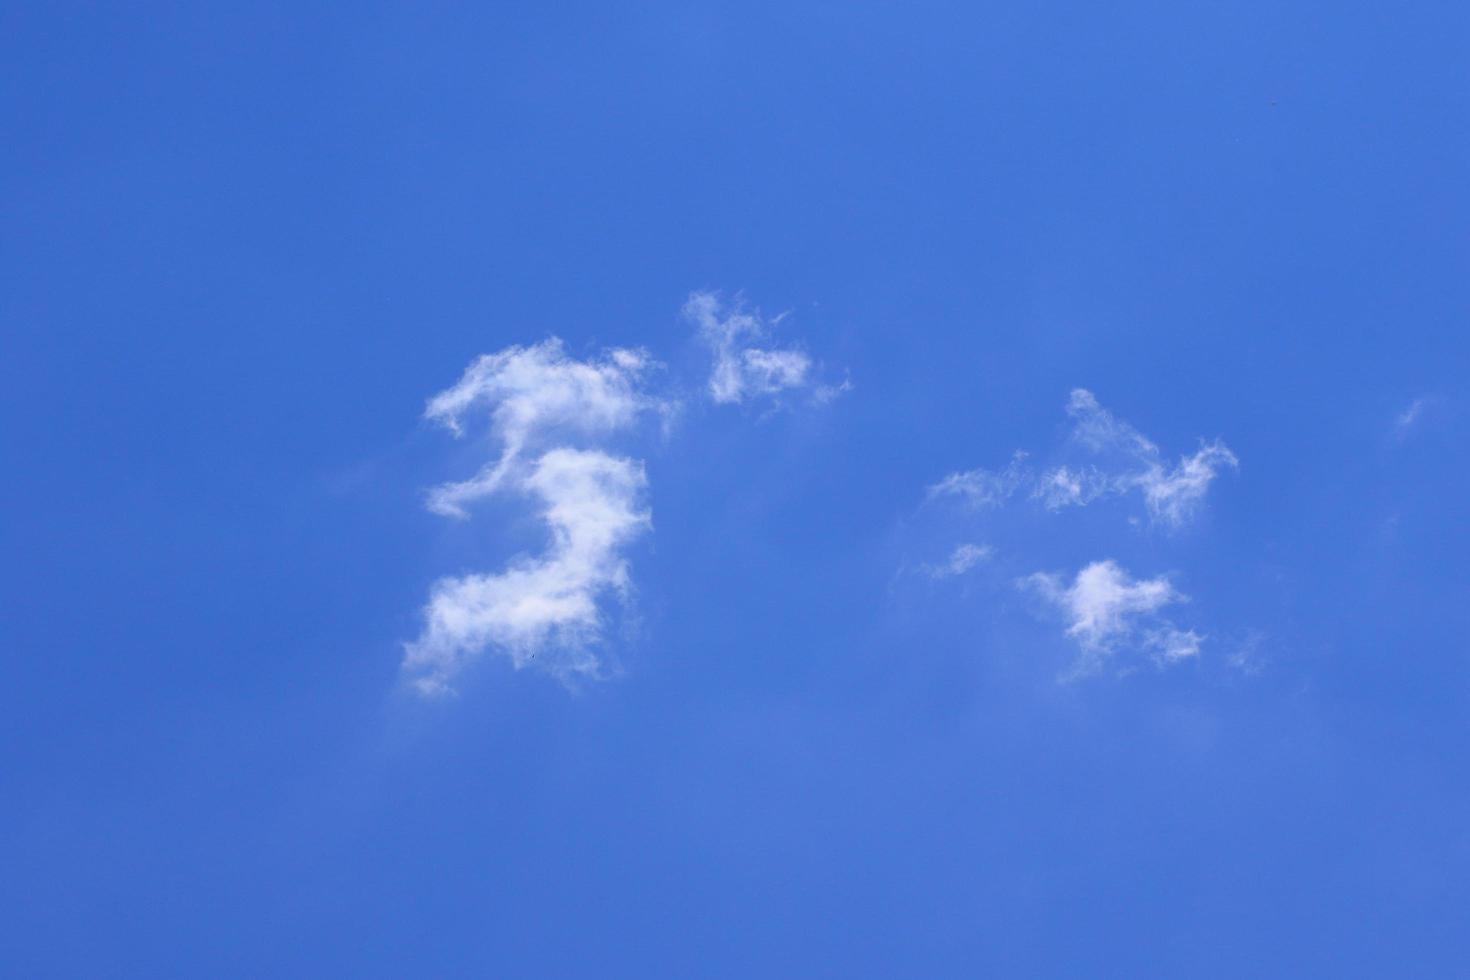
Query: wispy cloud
(984, 488)
(1171, 494)
(547, 608)
(825, 394)
(1115, 459)
(961, 560)
(744, 365)
(1410, 418)
(1107, 611)
(1249, 656)
(1411, 414)
(533, 392)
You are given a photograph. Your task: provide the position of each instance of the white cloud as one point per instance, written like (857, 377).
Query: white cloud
(1172, 494)
(960, 561)
(1071, 486)
(1107, 610)
(544, 607)
(1407, 420)
(742, 370)
(546, 418)
(1170, 645)
(826, 394)
(1099, 430)
(547, 608)
(1249, 657)
(532, 392)
(1411, 414)
(1119, 461)
(540, 385)
(983, 488)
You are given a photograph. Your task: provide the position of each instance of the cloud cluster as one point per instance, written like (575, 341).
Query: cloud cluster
(1105, 608)
(546, 418)
(1118, 460)
(742, 369)
(544, 608)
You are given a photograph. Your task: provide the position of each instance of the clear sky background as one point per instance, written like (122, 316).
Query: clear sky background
(813, 716)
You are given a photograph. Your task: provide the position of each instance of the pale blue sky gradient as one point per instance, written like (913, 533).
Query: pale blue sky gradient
(243, 247)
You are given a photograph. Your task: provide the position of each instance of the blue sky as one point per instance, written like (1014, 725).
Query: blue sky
(994, 506)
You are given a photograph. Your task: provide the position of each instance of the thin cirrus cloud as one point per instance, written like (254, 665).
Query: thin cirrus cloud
(1113, 459)
(1406, 421)
(985, 488)
(743, 365)
(548, 608)
(1108, 611)
(548, 417)
(1172, 494)
(963, 558)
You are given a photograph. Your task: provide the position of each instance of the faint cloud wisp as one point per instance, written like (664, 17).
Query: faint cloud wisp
(743, 370)
(1117, 459)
